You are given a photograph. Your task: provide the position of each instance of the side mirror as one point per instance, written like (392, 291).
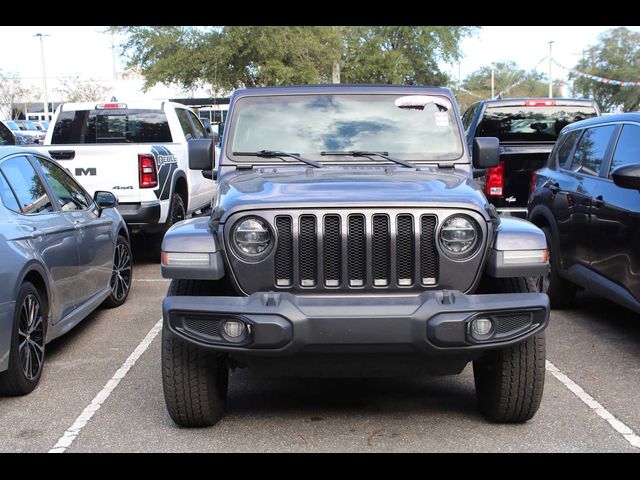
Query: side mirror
(627, 176)
(104, 200)
(201, 154)
(485, 152)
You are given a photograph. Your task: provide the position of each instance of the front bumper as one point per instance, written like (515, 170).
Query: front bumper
(283, 324)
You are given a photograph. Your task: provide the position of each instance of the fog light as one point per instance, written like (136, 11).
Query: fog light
(234, 329)
(480, 327)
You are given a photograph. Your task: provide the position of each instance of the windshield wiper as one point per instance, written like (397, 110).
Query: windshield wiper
(364, 153)
(277, 153)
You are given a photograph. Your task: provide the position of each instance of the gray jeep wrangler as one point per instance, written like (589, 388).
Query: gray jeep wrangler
(348, 238)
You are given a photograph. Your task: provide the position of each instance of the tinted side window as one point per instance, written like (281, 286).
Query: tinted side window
(68, 128)
(468, 117)
(185, 124)
(197, 126)
(27, 186)
(591, 150)
(565, 149)
(628, 148)
(7, 196)
(66, 190)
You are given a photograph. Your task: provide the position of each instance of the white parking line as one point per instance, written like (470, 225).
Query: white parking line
(74, 430)
(579, 392)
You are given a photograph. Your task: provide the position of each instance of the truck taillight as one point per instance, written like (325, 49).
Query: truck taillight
(495, 181)
(532, 185)
(148, 171)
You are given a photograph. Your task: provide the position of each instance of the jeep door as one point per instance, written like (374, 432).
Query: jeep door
(574, 187)
(48, 234)
(615, 227)
(95, 239)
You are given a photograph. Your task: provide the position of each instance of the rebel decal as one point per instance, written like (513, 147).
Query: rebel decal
(167, 163)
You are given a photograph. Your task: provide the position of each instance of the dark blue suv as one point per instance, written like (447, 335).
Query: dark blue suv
(587, 202)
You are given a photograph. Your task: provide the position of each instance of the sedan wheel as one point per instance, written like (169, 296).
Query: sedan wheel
(31, 338)
(121, 274)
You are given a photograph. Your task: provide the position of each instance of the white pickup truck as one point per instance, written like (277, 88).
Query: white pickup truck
(139, 151)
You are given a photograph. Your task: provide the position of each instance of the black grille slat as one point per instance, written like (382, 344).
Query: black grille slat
(405, 250)
(356, 250)
(308, 251)
(332, 250)
(380, 250)
(284, 253)
(429, 262)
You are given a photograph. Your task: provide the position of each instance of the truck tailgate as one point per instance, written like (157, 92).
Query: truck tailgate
(113, 168)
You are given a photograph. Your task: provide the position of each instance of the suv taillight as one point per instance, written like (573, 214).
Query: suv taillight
(495, 181)
(148, 172)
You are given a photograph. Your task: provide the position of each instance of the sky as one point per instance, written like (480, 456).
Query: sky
(85, 51)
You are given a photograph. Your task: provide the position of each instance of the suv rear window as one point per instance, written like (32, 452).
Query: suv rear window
(111, 126)
(530, 123)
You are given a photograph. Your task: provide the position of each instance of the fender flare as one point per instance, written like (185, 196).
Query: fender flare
(177, 174)
(542, 211)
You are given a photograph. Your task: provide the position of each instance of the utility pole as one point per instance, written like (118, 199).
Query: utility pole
(493, 80)
(44, 76)
(550, 78)
(113, 57)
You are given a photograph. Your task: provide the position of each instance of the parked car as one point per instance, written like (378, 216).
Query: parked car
(63, 255)
(587, 202)
(20, 137)
(369, 252)
(138, 151)
(6, 135)
(30, 128)
(527, 129)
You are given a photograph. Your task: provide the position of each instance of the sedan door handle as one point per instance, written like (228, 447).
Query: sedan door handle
(78, 225)
(598, 201)
(35, 233)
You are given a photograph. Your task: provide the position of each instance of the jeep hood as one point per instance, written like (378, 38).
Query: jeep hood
(347, 187)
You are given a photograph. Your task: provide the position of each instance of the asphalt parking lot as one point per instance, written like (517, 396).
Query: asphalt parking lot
(101, 391)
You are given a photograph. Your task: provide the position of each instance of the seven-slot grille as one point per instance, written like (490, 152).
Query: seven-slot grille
(356, 250)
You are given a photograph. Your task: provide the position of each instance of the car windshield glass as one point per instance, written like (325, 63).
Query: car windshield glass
(530, 123)
(29, 125)
(13, 126)
(410, 127)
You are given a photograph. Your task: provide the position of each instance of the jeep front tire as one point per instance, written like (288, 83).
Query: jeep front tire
(195, 381)
(510, 380)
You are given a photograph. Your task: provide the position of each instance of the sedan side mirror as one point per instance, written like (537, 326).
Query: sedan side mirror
(627, 176)
(104, 200)
(485, 152)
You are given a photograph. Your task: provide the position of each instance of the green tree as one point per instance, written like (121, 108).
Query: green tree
(510, 81)
(229, 57)
(400, 55)
(617, 57)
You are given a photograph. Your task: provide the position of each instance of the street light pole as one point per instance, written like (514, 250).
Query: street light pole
(492, 83)
(44, 76)
(550, 78)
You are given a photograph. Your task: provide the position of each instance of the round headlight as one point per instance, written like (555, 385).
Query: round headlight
(459, 236)
(252, 237)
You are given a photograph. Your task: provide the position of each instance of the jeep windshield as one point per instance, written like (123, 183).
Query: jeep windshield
(530, 123)
(407, 127)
